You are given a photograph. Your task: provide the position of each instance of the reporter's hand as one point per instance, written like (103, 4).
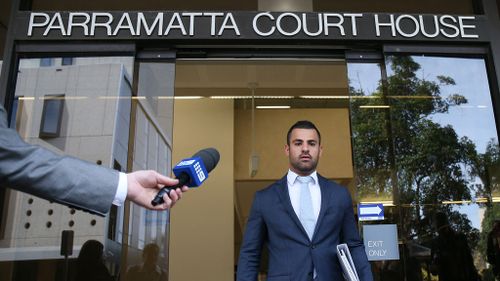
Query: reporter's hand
(144, 185)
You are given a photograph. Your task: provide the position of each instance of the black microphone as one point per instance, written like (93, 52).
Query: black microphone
(191, 171)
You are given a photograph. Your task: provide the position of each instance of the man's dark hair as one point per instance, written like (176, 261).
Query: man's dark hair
(303, 124)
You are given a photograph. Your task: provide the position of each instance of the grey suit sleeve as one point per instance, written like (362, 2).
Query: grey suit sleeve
(63, 179)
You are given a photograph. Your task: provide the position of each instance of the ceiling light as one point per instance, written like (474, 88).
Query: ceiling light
(187, 97)
(324, 97)
(272, 106)
(230, 97)
(374, 106)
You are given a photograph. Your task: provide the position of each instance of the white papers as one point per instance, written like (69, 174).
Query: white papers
(346, 263)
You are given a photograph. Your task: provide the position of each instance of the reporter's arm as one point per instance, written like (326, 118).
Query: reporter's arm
(63, 179)
(71, 181)
(144, 185)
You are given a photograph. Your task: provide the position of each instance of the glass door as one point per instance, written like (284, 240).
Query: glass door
(147, 243)
(425, 145)
(244, 108)
(78, 106)
(90, 108)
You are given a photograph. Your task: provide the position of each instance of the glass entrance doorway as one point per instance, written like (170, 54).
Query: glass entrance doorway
(244, 108)
(414, 133)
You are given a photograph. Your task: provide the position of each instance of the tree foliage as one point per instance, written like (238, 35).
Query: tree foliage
(401, 151)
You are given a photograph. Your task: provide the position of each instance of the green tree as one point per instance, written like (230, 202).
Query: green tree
(400, 151)
(486, 166)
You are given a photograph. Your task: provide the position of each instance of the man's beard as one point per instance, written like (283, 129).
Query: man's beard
(305, 168)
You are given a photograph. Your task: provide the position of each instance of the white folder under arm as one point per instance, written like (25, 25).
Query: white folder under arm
(346, 262)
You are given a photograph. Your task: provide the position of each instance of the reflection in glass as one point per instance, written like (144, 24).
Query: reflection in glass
(50, 126)
(149, 233)
(147, 269)
(427, 134)
(88, 119)
(156, 85)
(370, 133)
(67, 61)
(45, 62)
(89, 264)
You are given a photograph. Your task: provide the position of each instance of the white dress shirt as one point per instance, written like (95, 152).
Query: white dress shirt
(294, 192)
(121, 191)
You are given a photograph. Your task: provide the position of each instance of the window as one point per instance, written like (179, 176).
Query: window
(67, 61)
(46, 62)
(425, 145)
(50, 126)
(94, 127)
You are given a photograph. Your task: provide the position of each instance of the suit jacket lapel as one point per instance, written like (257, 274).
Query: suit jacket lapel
(325, 200)
(285, 200)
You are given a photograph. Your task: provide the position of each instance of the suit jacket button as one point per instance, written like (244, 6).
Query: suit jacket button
(313, 246)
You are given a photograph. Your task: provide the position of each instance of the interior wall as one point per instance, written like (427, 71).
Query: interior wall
(271, 127)
(202, 223)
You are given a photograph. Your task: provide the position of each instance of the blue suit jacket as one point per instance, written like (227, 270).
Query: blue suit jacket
(292, 255)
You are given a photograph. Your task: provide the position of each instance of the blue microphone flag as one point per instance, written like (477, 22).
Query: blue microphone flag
(194, 168)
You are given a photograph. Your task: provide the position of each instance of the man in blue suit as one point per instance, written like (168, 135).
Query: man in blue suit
(301, 230)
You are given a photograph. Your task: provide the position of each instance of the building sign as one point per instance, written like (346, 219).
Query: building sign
(248, 25)
(370, 212)
(381, 242)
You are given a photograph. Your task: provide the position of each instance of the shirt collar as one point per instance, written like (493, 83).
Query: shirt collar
(292, 176)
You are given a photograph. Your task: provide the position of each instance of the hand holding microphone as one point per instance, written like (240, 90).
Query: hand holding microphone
(191, 172)
(144, 184)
